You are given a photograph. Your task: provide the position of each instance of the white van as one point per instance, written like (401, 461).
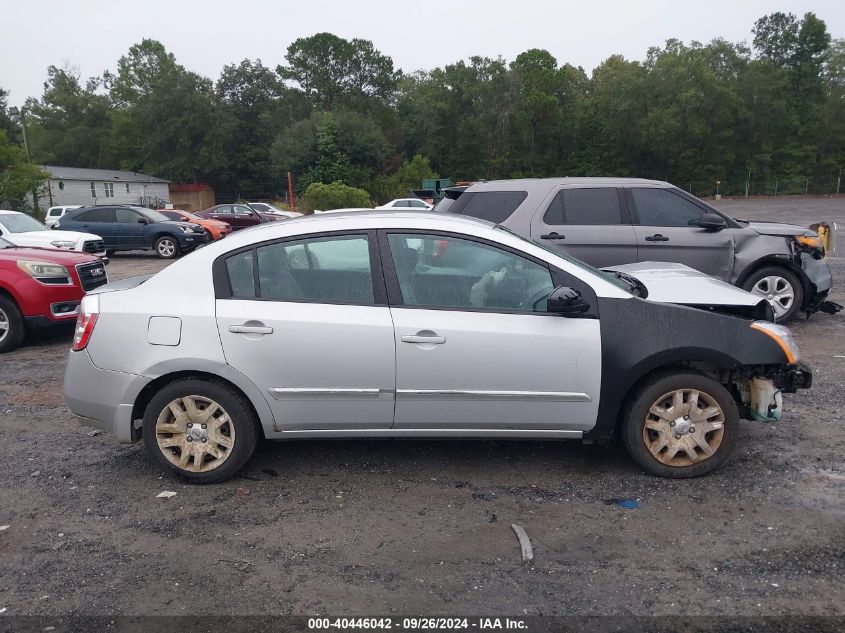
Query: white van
(54, 213)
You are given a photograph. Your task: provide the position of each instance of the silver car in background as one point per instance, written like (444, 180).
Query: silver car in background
(408, 325)
(612, 221)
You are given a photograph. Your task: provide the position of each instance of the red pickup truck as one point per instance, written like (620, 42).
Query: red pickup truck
(42, 287)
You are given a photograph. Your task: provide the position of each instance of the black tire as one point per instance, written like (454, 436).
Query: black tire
(167, 247)
(240, 416)
(14, 331)
(778, 272)
(635, 434)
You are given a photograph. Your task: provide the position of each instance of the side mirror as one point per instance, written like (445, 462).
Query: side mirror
(566, 301)
(712, 222)
(142, 221)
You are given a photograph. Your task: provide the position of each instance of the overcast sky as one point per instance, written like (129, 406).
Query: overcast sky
(206, 35)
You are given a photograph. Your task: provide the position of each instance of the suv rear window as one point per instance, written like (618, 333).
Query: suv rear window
(584, 206)
(494, 206)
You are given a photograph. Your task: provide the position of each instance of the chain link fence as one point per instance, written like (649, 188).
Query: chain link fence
(763, 186)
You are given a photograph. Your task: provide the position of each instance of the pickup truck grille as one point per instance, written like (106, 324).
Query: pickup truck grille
(93, 246)
(92, 275)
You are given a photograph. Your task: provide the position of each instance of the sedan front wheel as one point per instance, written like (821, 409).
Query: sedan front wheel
(681, 425)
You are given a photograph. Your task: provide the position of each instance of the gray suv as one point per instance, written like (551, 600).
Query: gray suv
(612, 221)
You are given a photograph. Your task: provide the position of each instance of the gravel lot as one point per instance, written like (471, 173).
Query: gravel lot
(383, 527)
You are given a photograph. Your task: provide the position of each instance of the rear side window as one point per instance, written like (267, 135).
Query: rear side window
(584, 206)
(55, 212)
(325, 270)
(95, 215)
(494, 206)
(241, 276)
(661, 207)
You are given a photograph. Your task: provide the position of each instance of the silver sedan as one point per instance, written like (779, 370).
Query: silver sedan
(408, 325)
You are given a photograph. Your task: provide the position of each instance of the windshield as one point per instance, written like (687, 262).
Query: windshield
(155, 216)
(613, 279)
(21, 223)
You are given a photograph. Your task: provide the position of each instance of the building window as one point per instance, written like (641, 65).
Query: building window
(61, 185)
(94, 190)
(127, 187)
(109, 187)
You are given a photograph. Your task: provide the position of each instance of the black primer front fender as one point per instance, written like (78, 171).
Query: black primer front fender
(640, 336)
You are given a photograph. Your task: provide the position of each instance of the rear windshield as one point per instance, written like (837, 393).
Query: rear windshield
(493, 206)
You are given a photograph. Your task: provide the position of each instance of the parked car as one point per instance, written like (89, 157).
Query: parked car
(216, 229)
(609, 221)
(411, 325)
(128, 228)
(24, 230)
(54, 213)
(42, 288)
(406, 203)
(266, 207)
(239, 216)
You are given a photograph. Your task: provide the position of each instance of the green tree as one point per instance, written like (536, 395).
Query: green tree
(71, 123)
(329, 69)
(18, 178)
(336, 195)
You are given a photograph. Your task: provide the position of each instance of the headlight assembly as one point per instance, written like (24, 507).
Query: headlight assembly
(782, 336)
(45, 272)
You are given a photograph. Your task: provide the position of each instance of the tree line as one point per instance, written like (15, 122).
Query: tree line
(766, 114)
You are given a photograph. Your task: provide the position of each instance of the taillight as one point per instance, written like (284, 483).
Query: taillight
(85, 322)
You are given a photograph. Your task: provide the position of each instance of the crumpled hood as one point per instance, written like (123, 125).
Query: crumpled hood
(777, 228)
(668, 282)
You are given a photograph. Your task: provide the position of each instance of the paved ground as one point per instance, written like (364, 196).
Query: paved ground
(363, 527)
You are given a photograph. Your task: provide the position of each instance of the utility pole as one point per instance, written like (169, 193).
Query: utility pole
(21, 113)
(290, 192)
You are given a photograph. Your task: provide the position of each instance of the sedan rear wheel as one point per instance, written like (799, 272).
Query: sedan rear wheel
(681, 425)
(200, 430)
(167, 247)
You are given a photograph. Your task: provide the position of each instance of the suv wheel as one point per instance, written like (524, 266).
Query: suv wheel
(200, 430)
(781, 287)
(12, 328)
(167, 247)
(681, 425)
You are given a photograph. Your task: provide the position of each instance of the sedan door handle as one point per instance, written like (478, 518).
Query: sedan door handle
(553, 236)
(432, 340)
(250, 329)
(657, 237)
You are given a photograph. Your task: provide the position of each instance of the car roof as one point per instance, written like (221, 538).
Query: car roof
(527, 184)
(10, 212)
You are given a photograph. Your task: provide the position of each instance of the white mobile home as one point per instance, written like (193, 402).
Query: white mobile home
(79, 185)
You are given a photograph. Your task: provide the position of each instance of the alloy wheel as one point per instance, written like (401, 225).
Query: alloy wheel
(195, 433)
(684, 427)
(778, 291)
(166, 248)
(4, 324)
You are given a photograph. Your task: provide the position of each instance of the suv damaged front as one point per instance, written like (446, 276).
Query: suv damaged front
(795, 247)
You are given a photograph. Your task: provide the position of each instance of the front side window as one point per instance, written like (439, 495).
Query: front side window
(241, 210)
(325, 270)
(584, 206)
(661, 207)
(109, 187)
(450, 272)
(125, 216)
(494, 206)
